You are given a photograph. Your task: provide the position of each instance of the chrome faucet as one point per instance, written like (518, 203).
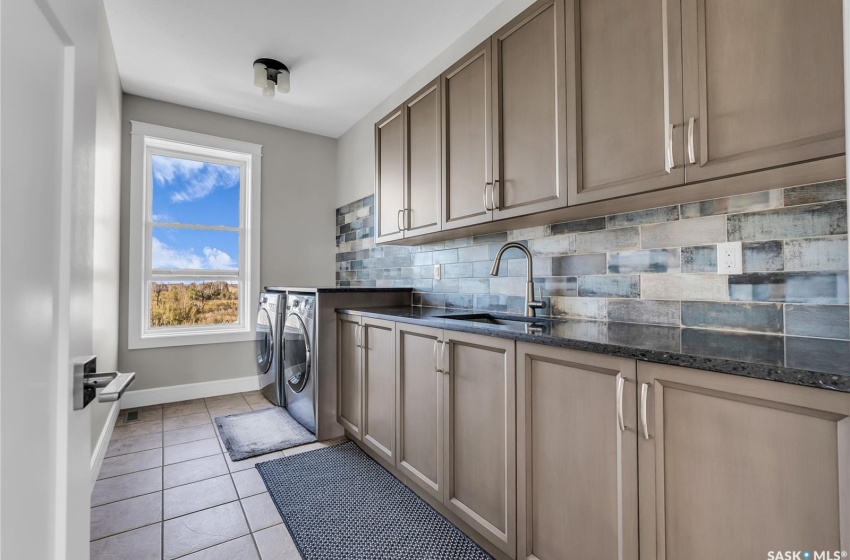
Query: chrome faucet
(531, 304)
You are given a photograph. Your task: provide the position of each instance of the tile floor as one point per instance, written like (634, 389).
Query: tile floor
(168, 490)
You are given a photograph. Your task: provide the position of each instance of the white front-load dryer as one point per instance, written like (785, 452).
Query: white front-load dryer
(268, 345)
(298, 376)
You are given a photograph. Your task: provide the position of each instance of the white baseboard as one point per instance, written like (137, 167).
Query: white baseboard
(103, 442)
(173, 393)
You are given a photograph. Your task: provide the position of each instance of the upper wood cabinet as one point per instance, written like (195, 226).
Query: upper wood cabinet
(389, 177)
(468, 139)
(576, 455)
(529, 113)
(624, 97)
(732, 467)
(423, 162)
(763, 84)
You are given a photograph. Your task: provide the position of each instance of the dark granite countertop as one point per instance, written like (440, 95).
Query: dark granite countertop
(331, 289)
(810, 362)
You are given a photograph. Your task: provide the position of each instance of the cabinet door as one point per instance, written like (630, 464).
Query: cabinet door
(420, 407)
(424, 171)
(389, 176)
(379, 386)
(763, 81)
(467, 140)
(349, 376)
(480, 435)
(577, 455)
(736, 467)
(624, 79)
(529, 104)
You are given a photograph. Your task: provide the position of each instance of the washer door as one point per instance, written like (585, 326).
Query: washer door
(265, 341)
(297, 360)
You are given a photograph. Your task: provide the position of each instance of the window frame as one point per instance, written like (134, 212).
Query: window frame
(148, 140)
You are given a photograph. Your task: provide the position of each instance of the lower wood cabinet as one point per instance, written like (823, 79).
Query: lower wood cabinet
(576, 455)
(480, 460)
(732, 467)
(548, 453)
(420, 407)
(377, 345)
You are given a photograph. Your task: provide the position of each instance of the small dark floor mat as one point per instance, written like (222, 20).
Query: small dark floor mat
(339, 504)
(261, 431)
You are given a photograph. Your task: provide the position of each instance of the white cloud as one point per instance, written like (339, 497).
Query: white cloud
(165, 257)
(197, 178)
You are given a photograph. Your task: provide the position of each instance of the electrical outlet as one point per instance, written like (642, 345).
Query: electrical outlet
(438, 271)
(730, 258)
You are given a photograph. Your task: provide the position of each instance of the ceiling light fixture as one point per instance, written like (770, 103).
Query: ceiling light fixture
(268, 73)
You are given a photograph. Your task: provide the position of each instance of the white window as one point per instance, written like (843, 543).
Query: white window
(194, 237)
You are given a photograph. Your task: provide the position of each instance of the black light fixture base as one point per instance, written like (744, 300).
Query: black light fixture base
(273, 67)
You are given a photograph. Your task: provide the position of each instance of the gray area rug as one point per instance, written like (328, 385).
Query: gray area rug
(261, 431)
(339, 504)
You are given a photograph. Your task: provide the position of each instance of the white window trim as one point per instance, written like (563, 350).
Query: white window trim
(145, 138)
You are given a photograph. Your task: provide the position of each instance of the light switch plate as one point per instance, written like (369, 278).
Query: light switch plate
(730, 258)
(438, 272)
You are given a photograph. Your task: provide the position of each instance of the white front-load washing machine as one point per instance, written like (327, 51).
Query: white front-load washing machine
(268, 345)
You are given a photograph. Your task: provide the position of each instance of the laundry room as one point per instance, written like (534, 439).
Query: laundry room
(424, 279)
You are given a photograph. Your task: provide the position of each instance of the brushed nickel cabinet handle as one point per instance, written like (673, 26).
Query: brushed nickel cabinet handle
(670, 146)
(621, 421)
(436, 363)
(398, 220)
(406, 219)
(443, 367)
(486, 207)
(358, 335)
(493, 203)
(644, 389)
(691, 156)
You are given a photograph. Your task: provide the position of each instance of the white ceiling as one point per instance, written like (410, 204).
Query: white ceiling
(346, 56)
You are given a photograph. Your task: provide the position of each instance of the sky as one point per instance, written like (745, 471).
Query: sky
(194, 192)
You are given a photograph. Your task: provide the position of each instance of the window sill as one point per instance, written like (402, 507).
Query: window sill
(195, 338)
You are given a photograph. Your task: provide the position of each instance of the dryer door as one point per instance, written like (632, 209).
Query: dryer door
(265, 341)
(297, 359)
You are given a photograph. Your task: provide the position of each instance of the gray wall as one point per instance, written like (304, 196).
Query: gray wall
(298, 193)
(356, 155)
(107, 209)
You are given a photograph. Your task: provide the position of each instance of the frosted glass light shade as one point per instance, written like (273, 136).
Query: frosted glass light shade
(260, 75)
(283, 81)
(268, 91)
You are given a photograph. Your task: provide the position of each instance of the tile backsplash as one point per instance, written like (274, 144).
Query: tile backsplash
(654, 267)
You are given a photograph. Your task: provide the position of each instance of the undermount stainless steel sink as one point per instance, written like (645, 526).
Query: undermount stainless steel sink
(485, 319)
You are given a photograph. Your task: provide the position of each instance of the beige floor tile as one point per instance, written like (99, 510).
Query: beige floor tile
(255, 397)
(131, 462)
(275, 543)
(185, 435)
(304, 448)
(182, 403)
(179, 422)
(196, 496)
(136, 429)
(235, 398)
(261, 406)
(125, 515)
(192, 450)
(236, 466)
(238, 549)
(225, 409)
(138, 544)
(194, 470)
(184, 409)
(249, 483)
(134, 444)
(126, 486)
(146, 414)
(203, 529)
(261, 512)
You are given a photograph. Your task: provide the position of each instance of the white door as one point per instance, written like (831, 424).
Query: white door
(48, 57)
